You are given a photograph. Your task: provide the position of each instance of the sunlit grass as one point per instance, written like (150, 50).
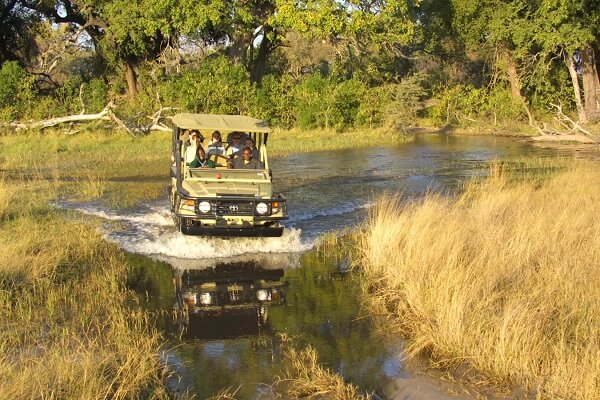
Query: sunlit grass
(503, 279)
(283, 142)
(68, 326)
(306, 378)
(7, 192)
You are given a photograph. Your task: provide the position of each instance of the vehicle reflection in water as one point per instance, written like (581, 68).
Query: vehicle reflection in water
(227, 300)
(234, 341)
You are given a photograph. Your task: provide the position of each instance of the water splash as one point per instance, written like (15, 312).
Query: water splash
(149, 230)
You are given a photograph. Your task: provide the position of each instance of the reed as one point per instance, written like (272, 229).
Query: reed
(503, 279)
(306, 378)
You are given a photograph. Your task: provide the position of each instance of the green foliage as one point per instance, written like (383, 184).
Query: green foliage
(16, 91)
(464, 104)
(95, 94)
(313, 101)
(324, 103)
(406, 101)
(215, 86)
(274, 101)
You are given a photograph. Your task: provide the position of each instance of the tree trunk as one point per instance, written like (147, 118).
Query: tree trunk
(259, 65)
(576, 88)
(238, 50)
(591, 84)
(131, 77)
(515, 81)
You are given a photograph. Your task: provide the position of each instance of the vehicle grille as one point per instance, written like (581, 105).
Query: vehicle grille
(234, 207)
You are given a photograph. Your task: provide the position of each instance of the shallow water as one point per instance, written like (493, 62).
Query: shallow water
(326, 191)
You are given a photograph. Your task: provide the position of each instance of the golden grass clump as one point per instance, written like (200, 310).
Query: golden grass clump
(305, 378)
(68, 327)
(7, 193)
(504, 279)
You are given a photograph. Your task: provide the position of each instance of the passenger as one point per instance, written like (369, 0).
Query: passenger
(250, 144)
(192, 146)
(201, 161)
(216, 145)
(246, 161)
(234, 147)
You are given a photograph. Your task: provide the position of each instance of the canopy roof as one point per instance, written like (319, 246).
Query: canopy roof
(221, 123)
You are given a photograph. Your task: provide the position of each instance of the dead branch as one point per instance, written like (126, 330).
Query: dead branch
(107, 114)
(573, 131)
(81, 100)
(568, 123)
(46, 123)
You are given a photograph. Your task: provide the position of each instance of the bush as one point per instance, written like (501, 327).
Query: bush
(464, 104)
(215, 86)
(406, 101)
(323, 103)
(313, 102)
(16, 91)
(274, 101)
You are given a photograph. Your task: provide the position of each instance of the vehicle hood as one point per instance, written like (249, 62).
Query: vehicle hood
(211, 189)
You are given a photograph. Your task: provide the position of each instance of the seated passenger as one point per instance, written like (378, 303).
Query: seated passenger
(195, 142)
(249, 143)
(246, 161)
(235, 146)
(216, 145)
(201, 161)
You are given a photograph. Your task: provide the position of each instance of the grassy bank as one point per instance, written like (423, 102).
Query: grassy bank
(122, 170)
(503, 279)
(68, 327)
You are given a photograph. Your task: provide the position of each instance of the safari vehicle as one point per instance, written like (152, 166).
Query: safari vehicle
(222, 201)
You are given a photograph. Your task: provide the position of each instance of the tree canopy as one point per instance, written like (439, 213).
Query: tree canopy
(310, 62)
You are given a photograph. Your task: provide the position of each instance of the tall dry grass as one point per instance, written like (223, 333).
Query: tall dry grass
(306, 378)
(505, 279)
(68, 327)
(7, 192)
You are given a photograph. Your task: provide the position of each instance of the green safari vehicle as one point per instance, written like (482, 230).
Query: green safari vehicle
(223, 201)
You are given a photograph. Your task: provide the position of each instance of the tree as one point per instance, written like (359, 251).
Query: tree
(126, 33)
(570, 29)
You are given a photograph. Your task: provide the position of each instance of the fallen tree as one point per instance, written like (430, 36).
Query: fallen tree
(571, 130)
(107, 114)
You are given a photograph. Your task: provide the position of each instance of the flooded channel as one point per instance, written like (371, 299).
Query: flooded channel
(224, 302)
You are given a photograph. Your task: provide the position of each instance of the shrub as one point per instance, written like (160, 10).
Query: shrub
(16, 91)
(215, 86)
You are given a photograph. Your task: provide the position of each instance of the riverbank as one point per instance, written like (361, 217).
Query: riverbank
(69, 328)
(121, 170)
(502, 280)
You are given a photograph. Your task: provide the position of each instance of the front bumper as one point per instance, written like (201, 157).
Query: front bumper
(229, 231)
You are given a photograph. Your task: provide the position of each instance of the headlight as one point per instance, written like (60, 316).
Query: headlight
(263, 295)
(190, 298)
(205, 298)
(204, 207)
(262, 208)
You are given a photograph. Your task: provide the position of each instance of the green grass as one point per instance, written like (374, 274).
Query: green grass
(121, 170)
